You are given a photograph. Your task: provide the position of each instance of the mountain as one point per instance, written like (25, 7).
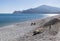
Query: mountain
(17, 12)
(41, 9)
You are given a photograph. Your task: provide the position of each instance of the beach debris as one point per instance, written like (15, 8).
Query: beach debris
(39, 30)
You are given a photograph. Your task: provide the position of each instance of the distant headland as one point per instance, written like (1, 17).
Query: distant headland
(40, 9)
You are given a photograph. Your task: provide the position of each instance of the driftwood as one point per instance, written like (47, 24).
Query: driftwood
(39, 30)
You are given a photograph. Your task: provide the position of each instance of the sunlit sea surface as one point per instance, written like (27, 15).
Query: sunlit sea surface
(6, 19)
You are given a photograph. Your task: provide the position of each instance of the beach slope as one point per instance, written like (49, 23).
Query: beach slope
(23, 31)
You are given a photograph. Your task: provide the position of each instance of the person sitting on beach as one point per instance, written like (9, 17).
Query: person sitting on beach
(33, 23)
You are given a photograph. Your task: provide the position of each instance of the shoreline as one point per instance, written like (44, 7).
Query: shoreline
(13, 31)
(23, 22)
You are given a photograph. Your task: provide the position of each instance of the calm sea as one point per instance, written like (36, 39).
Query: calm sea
(6, 19)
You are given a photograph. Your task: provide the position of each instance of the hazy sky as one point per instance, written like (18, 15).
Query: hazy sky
(8, 6)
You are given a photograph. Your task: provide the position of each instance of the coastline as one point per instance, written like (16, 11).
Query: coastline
(13, 31)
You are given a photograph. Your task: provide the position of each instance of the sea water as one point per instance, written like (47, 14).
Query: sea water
(6, 19)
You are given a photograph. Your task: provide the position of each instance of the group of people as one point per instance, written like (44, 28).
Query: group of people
(33, 23)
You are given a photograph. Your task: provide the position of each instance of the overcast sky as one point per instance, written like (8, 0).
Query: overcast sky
(8, 6)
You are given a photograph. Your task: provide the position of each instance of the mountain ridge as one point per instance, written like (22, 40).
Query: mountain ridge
(41, 9)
